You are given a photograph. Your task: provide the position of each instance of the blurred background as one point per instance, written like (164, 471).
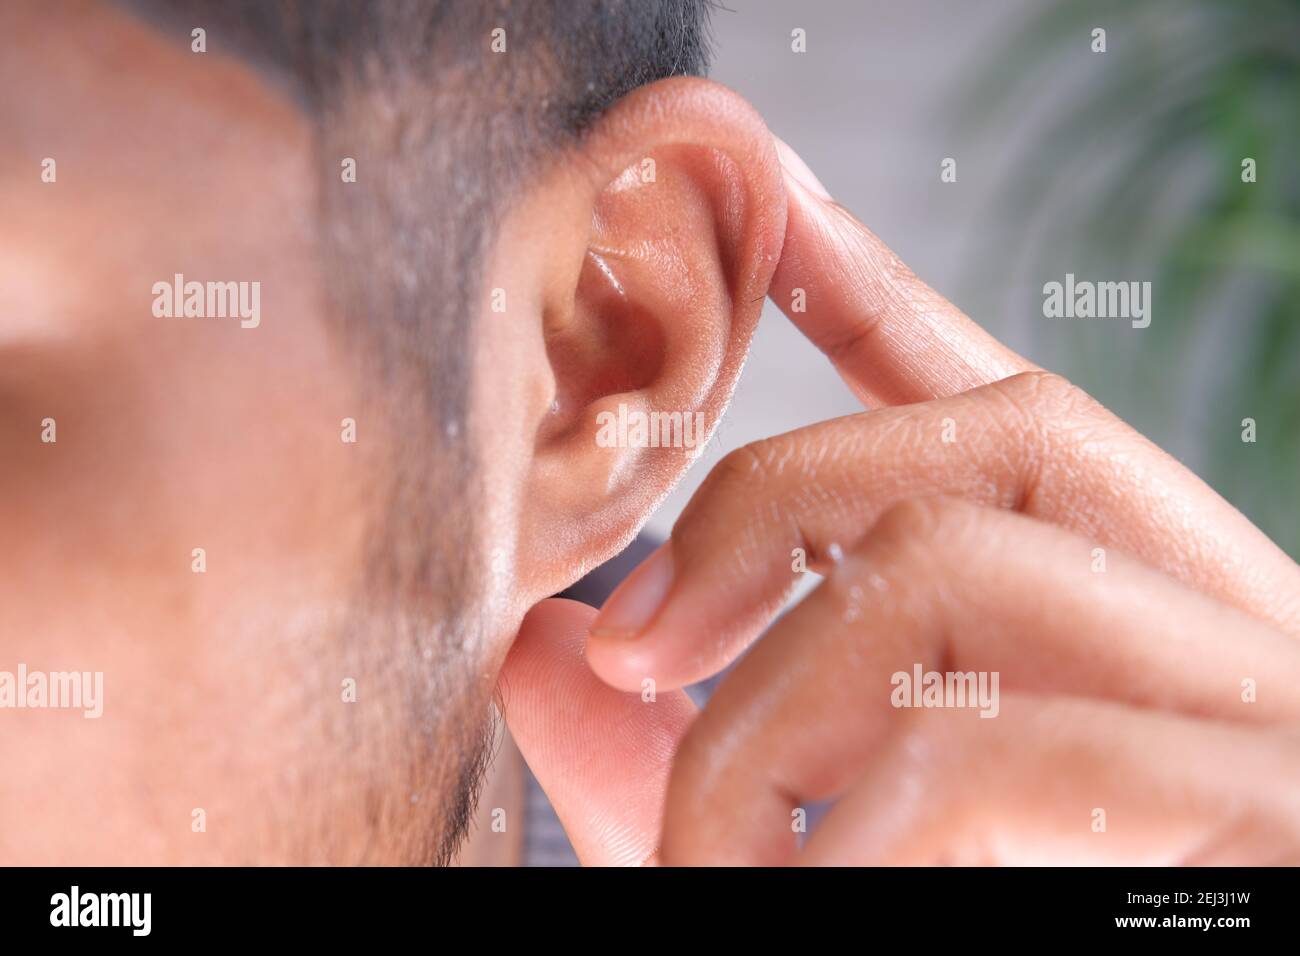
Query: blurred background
(1117, 166)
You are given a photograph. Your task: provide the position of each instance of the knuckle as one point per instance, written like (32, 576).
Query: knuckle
(886, 558)
(912, 519)
(747, 468)
(722, 500)
(920, 527)
(902, 560)
(1048, 405)
(1051, 422)
(739, 483)
(1042, 392)
(748, 507)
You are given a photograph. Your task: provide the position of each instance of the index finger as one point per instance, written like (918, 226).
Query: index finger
(894, 339)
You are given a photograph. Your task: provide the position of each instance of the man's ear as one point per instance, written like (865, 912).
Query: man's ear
(621, 296)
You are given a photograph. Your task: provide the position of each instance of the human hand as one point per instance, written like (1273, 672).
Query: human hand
(1124, 606)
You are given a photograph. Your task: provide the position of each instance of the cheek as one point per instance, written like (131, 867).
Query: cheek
(188, 531)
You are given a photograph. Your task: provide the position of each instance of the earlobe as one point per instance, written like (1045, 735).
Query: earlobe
(666, 224)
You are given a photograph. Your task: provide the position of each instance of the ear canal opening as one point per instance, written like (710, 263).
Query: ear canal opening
(611, 345)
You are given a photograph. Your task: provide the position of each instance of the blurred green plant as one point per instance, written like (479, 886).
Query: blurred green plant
(1140, 176)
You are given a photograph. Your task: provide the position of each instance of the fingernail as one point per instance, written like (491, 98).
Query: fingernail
(634, 602)
(799, 170)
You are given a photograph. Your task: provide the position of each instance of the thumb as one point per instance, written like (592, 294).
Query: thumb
(601, 755)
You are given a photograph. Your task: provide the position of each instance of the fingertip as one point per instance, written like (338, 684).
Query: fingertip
(625, 663)
(799, 171)
(632, 607)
